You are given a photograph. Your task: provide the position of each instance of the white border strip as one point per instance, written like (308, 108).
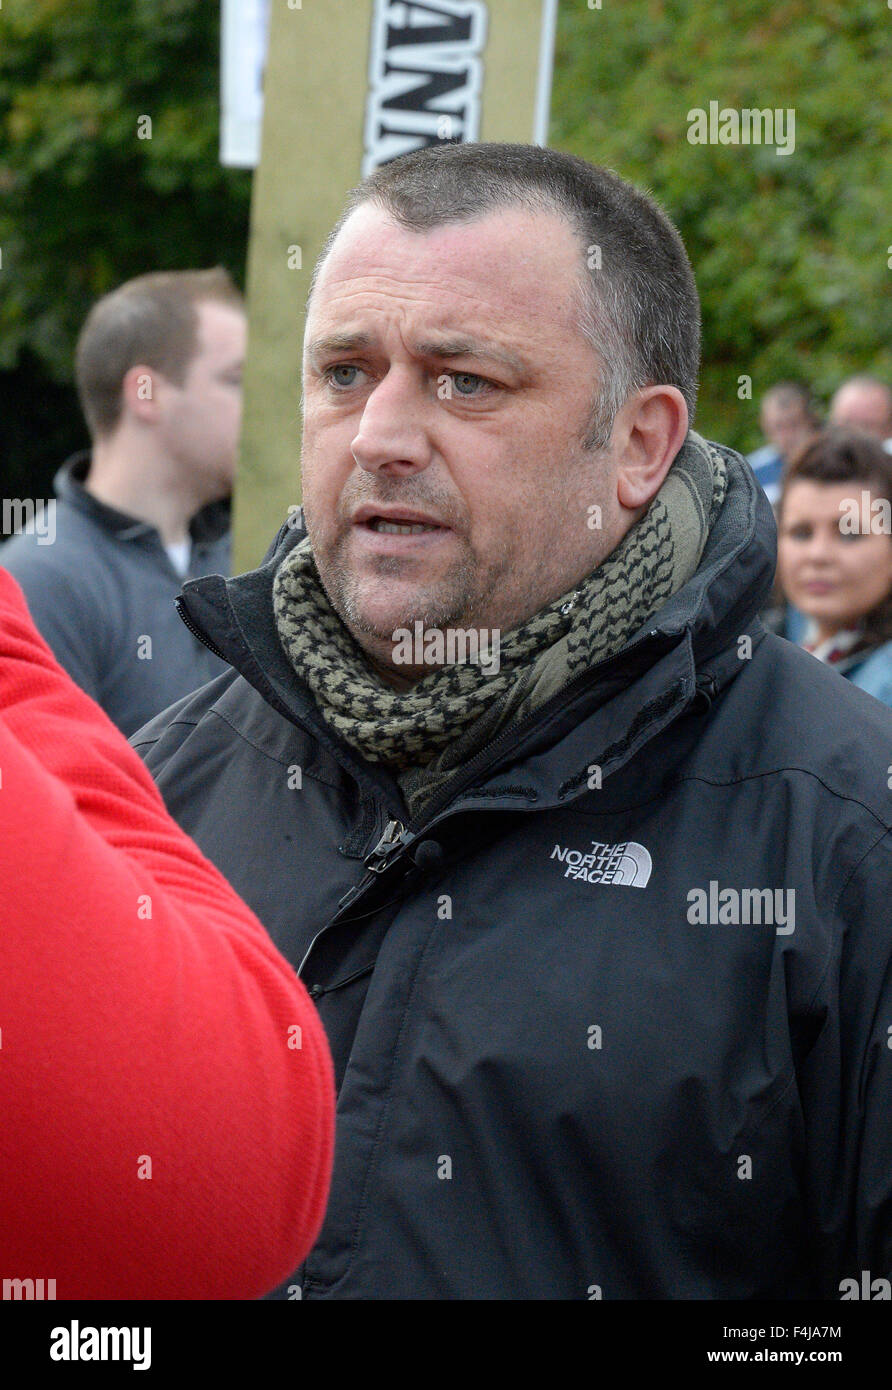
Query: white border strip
(244, 36)
(542, 116)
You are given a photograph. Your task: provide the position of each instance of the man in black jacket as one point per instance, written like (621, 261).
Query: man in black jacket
(587, 873)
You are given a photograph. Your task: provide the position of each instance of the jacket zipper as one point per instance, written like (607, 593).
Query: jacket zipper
(196, 632)
(394, 839)
(395, 836)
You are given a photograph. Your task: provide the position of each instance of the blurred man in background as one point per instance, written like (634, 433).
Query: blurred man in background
(788, 419)
(864, 402)
(159, 372)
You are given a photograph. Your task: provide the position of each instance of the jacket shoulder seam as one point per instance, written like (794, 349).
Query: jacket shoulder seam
(152, 742)
(789, 767)
(734, 781)
(855, 867)
(239, 733)
(833, 908)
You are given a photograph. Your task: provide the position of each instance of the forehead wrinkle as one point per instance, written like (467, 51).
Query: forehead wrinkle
(439, 337)
(520, 286)
(530, 260)
(441, 298)
(436, 295)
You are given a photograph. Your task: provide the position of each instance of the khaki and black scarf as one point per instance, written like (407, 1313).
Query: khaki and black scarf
(425, 733)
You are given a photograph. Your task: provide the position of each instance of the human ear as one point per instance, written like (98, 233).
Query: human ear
(140, 391)
(649, 431)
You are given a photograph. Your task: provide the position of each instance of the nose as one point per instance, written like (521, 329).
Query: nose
(819, 549)
(393, 436)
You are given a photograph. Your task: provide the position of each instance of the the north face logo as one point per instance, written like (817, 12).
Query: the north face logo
(628, 863)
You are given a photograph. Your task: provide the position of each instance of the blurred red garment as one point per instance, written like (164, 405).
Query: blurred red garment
(166, 1086)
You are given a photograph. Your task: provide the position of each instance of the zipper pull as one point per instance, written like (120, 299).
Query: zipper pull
(395, 836)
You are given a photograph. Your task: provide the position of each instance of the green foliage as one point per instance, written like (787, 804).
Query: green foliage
(84, 202)
(790, 252)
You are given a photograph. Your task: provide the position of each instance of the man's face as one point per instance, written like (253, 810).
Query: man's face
(864, 406)
(447, 387)
(786, 426)
(202, 417)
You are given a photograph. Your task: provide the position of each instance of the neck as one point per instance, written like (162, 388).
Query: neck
(127, 473)
(824, 631)
(401, 680)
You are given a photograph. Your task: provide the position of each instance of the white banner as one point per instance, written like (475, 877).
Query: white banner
(244, 29)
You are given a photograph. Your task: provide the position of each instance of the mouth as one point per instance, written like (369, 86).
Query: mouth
(397, 523)
(401, 528)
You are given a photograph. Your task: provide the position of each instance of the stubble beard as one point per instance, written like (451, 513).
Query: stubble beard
(450, 601)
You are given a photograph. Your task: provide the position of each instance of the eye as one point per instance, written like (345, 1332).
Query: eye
(339, 376)
(468, 383)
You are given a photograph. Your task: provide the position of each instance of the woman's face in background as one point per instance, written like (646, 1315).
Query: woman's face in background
(829, 567)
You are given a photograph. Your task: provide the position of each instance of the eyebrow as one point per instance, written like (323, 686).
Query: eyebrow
(337, 342)
(448, 348)
(444, 349)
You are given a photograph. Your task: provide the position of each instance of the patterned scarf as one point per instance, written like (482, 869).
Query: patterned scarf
(426, 732)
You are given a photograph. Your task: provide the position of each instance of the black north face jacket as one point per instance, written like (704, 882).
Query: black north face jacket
(613, 1018)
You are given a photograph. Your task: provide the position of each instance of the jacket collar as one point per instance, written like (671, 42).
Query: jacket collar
(207, 525)
(689, 646)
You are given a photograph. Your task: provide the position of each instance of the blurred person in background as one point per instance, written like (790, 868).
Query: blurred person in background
(835, 554)
(788, 419)
(159, 373)
(865, 403)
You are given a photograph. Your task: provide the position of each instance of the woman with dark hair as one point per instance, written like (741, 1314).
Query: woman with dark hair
(835, 553)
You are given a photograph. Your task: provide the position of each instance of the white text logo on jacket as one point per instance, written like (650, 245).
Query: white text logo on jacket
(627, 863)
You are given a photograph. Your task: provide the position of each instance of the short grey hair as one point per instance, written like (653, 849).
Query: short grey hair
(638, 304)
